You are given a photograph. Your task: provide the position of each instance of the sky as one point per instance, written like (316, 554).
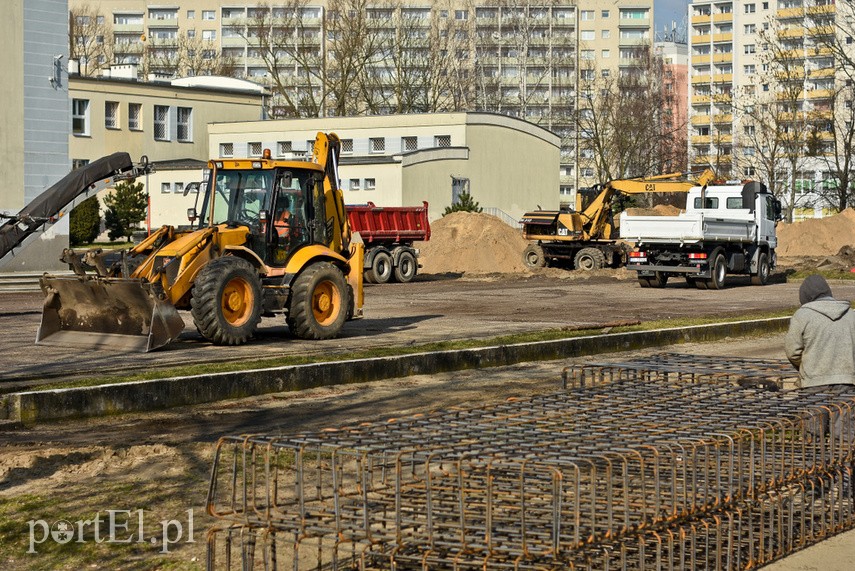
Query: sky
(666, 11)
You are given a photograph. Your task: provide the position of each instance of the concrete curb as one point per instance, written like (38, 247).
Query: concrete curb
(35, 406)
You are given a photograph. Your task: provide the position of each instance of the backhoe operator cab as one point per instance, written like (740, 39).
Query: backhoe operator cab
(271, 204)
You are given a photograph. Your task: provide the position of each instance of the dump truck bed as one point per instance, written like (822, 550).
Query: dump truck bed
(391, 224)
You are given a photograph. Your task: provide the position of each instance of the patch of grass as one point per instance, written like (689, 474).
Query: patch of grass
(827, 274)
(534, 336)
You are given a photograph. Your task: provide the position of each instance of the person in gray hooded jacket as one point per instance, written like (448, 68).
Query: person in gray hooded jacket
(821, 338)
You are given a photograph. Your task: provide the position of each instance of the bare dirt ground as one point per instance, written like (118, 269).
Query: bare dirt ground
(434, 308)
(156, 466)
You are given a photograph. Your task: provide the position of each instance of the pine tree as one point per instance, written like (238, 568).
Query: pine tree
(85, 222)
(126, 207)
(465, 203)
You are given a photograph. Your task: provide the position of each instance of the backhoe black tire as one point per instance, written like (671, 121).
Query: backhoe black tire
(319, 302)
(763, 270)
(533, 256)
(226, 301)
(406, 268)
(381, 267)
(588, 259)
(719, 272)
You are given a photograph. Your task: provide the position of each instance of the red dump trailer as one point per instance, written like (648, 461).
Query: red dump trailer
(389, 233)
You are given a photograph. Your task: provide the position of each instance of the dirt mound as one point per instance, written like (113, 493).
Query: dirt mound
(658, 210)
(472, 243)
(817, 236)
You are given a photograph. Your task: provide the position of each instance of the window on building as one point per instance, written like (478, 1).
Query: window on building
(586, 172)
(185, 124)
(347, 146)
(750, 69)
(588, 35)
(377, 145)
(191, 14)
(748, 129)
(750, 8)
(442, 141)
(166, 187)
(135, 116)
(191, 33)
(209, 15)
(179, 187)
(461, 14)
(604, 14)
(227, 150)
(749, 171)
(765, 5)
(587, 15)
(605, 73)
(606, 54)
(80, 116)
(254, 149)
(750, 48)
(634, 13)
(283, 148)
(606, 34)
(161, 123)
(310, 146)
(353, 184)
(750, 28)
(111, 114)
(209, 35)
(588, 54)
(409, 144)
(134, 19)
(370, 184)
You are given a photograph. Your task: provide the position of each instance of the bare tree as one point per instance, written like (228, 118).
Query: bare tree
(90, 39)
(620, 118)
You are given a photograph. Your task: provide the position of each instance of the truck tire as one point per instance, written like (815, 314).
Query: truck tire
(381, 267)
(719, 272)
(644, 282)
(533, 256)
(226, 301)
(763, 270)
(406, 268)
(659, 279)
(588, 259)
(319, 302)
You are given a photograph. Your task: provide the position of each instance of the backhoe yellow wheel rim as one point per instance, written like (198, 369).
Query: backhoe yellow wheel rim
(326, 302)
(236, 301)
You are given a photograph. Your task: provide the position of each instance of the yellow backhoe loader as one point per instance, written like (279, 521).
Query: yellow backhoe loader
(585, 237)
(271, 237)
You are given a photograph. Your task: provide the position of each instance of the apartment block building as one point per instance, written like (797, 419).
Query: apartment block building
(525, 57)
(731, 43)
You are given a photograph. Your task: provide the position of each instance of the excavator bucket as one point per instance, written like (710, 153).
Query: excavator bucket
(114, 313)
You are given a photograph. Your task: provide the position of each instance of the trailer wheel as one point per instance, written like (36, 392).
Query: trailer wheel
(381, 268)
(719, 272)
(406, 269)
(319, 302)
(226, 301)
(533, 256)
(588, 259)
(763, 270)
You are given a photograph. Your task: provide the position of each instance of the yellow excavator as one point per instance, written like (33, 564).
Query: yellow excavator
(585, 237)
(271, 237)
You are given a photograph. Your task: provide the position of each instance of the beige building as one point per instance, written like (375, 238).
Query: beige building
(167, 122)
(730, 76)
(526, 56)
(508, 165)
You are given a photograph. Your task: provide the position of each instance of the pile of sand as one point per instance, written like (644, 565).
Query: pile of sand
(658, 210)
(817, 236)
(472, 243)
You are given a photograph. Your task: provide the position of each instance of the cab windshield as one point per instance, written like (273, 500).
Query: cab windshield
(239, 197)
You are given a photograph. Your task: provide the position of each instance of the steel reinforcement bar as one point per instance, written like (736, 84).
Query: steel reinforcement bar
(535, 479)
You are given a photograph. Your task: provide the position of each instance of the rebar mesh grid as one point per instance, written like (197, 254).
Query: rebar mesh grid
(748, 534)
(533, 479)
(764, 374)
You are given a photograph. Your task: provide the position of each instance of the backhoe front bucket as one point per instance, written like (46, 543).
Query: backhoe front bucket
(96, 312)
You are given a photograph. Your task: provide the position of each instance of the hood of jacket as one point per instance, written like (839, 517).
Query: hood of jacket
(831, 308)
